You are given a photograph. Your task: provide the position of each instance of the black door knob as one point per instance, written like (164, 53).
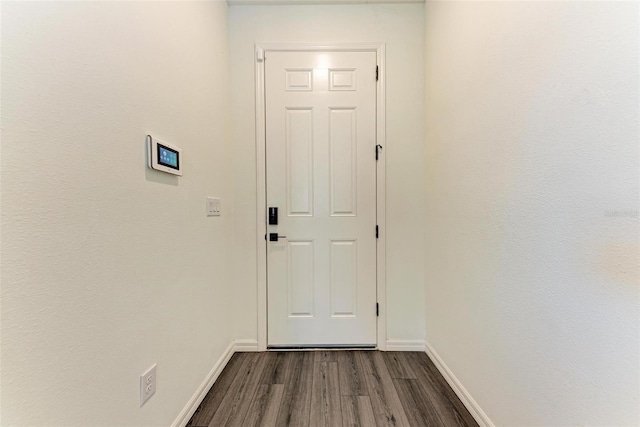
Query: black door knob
(273, 237)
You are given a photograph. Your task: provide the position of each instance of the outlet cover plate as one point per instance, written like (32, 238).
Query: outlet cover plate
(147, 384)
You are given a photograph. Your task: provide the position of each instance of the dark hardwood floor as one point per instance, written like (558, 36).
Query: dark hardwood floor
(331, 388)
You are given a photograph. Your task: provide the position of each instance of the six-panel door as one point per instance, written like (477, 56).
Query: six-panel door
(321, 174)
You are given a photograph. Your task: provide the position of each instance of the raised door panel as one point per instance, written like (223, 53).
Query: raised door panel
(299, 146)
(300, 278)
(342, 79)
(298, 80)
(344, 278)
(343, 161)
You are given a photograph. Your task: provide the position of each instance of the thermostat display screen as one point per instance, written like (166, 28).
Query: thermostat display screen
(163, 157)
(168, 157)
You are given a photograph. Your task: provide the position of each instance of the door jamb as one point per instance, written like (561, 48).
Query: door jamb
(261, 227)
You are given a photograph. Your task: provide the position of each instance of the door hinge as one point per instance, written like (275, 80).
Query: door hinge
(377, 232)
(377, 73)
(378, 149)
(377, 310)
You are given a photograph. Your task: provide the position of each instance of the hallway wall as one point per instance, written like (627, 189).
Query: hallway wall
(108, 267)
(401, 27)
(532, 200)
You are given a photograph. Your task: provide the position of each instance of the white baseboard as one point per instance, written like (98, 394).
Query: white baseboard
(405, 345)
(201, 392)
(245, 345)
(469, 402)
(198, 397)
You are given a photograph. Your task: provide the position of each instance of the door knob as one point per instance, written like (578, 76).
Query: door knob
(273, 237)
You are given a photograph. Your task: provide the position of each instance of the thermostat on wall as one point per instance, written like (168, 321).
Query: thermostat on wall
(164, 157)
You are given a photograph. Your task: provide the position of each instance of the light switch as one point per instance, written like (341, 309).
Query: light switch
(213, 206)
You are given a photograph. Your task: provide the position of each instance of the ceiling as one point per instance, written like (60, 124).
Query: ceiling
(288, 2)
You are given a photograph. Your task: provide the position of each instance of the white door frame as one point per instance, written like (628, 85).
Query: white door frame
(261, 245)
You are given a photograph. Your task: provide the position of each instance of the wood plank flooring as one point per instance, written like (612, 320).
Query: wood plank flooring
(331, 388)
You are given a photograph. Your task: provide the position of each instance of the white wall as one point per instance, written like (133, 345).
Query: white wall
(401, 27)
(532, 207)
(108, 267)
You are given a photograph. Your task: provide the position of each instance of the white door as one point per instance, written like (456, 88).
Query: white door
(321, 175)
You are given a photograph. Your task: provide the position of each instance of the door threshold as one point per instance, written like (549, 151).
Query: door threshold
(311, 347)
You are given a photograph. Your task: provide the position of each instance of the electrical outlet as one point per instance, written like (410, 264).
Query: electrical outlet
(147, 384)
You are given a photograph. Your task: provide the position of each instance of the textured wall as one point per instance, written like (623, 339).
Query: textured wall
(532, 207)
(401, 27)
(108, 267)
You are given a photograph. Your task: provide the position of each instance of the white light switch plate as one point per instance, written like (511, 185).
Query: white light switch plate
(213, 206)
